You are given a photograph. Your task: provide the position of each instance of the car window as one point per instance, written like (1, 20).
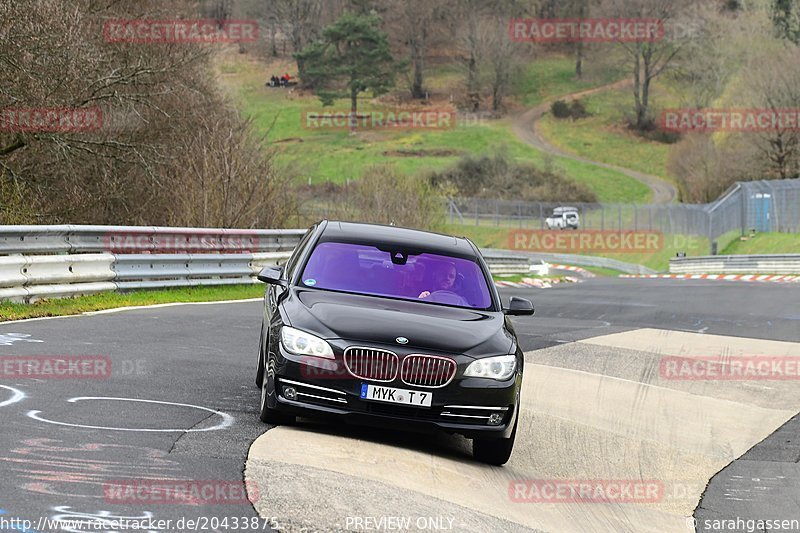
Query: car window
(424, 277)
(291, 265)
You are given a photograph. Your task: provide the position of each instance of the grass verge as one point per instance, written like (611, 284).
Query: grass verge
(110, 300)
(551, 77)
(500, 237)
(765, 243)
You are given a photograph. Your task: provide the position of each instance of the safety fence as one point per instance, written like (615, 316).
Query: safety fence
(761, 206)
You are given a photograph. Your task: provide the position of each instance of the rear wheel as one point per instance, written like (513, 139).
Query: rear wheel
(494, 451)
(271, 416)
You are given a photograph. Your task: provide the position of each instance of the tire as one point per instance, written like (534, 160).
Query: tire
(260, 371)
(271, 416)
(262, 342)
(494, 451)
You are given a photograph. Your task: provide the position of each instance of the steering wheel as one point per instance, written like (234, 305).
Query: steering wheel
(447, 297)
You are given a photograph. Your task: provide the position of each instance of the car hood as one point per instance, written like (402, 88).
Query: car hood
(375, 320)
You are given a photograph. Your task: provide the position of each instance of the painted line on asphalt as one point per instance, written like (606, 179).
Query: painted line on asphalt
(16, 396)
(227, 420)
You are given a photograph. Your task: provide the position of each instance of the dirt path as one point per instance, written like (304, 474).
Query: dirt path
(526, 128)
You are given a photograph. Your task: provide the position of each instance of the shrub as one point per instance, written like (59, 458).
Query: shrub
(560, 109)
(578, 110)
(498, 177)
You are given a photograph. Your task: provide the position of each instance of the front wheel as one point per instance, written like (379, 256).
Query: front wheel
(271, 416)
(494, 451)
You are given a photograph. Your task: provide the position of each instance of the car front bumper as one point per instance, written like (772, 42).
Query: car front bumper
(464, 406)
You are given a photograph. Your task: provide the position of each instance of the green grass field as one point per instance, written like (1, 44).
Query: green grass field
(550, 77)
(111, 300)
(500, 237)
(314, 155)
(765, 243)
(603, 137)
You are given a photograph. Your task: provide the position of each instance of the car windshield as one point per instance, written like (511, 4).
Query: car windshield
(424, 277)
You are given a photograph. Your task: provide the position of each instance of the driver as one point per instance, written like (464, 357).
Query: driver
(444, 279)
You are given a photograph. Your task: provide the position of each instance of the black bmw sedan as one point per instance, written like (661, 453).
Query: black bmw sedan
(391, 327)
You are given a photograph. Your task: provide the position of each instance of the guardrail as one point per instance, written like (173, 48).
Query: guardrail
(68, 260)
(73, 239)
(569, 259)
(29, 278)
(737, 264)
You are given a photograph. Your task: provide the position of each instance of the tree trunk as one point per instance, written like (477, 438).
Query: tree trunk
(297, 45)
(637, 87)
(353, 111)
(272, 34)
(418, 56)
(473, 90)
(642, 121)
(579, 44)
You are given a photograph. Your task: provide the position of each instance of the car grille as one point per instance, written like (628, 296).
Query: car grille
(427, 370)
(371, 363)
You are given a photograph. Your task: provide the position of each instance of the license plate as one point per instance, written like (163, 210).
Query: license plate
(390, 395)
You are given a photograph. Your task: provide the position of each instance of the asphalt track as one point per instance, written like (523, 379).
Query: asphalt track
(596, 408)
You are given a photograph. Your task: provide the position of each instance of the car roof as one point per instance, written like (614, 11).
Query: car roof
(402, 238)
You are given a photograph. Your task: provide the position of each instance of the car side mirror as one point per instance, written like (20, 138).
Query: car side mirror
(519, 307)
(272, 275)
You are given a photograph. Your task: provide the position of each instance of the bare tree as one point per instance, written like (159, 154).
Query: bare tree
(649, 59)
(773, 85)
(414, 24)
(153, 99)
(301, 20)
(471, 41)
(502, 58)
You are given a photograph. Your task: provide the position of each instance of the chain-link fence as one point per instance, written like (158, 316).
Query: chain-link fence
(763, 206)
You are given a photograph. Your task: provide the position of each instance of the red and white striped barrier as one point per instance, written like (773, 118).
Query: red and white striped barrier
(582, 271)
(727, 277)
(539, 283)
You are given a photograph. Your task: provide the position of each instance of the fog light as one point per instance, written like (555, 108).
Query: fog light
(289, 393)
(495, 419)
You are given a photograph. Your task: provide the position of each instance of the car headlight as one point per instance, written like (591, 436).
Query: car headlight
(500, 368)
(301, 343)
